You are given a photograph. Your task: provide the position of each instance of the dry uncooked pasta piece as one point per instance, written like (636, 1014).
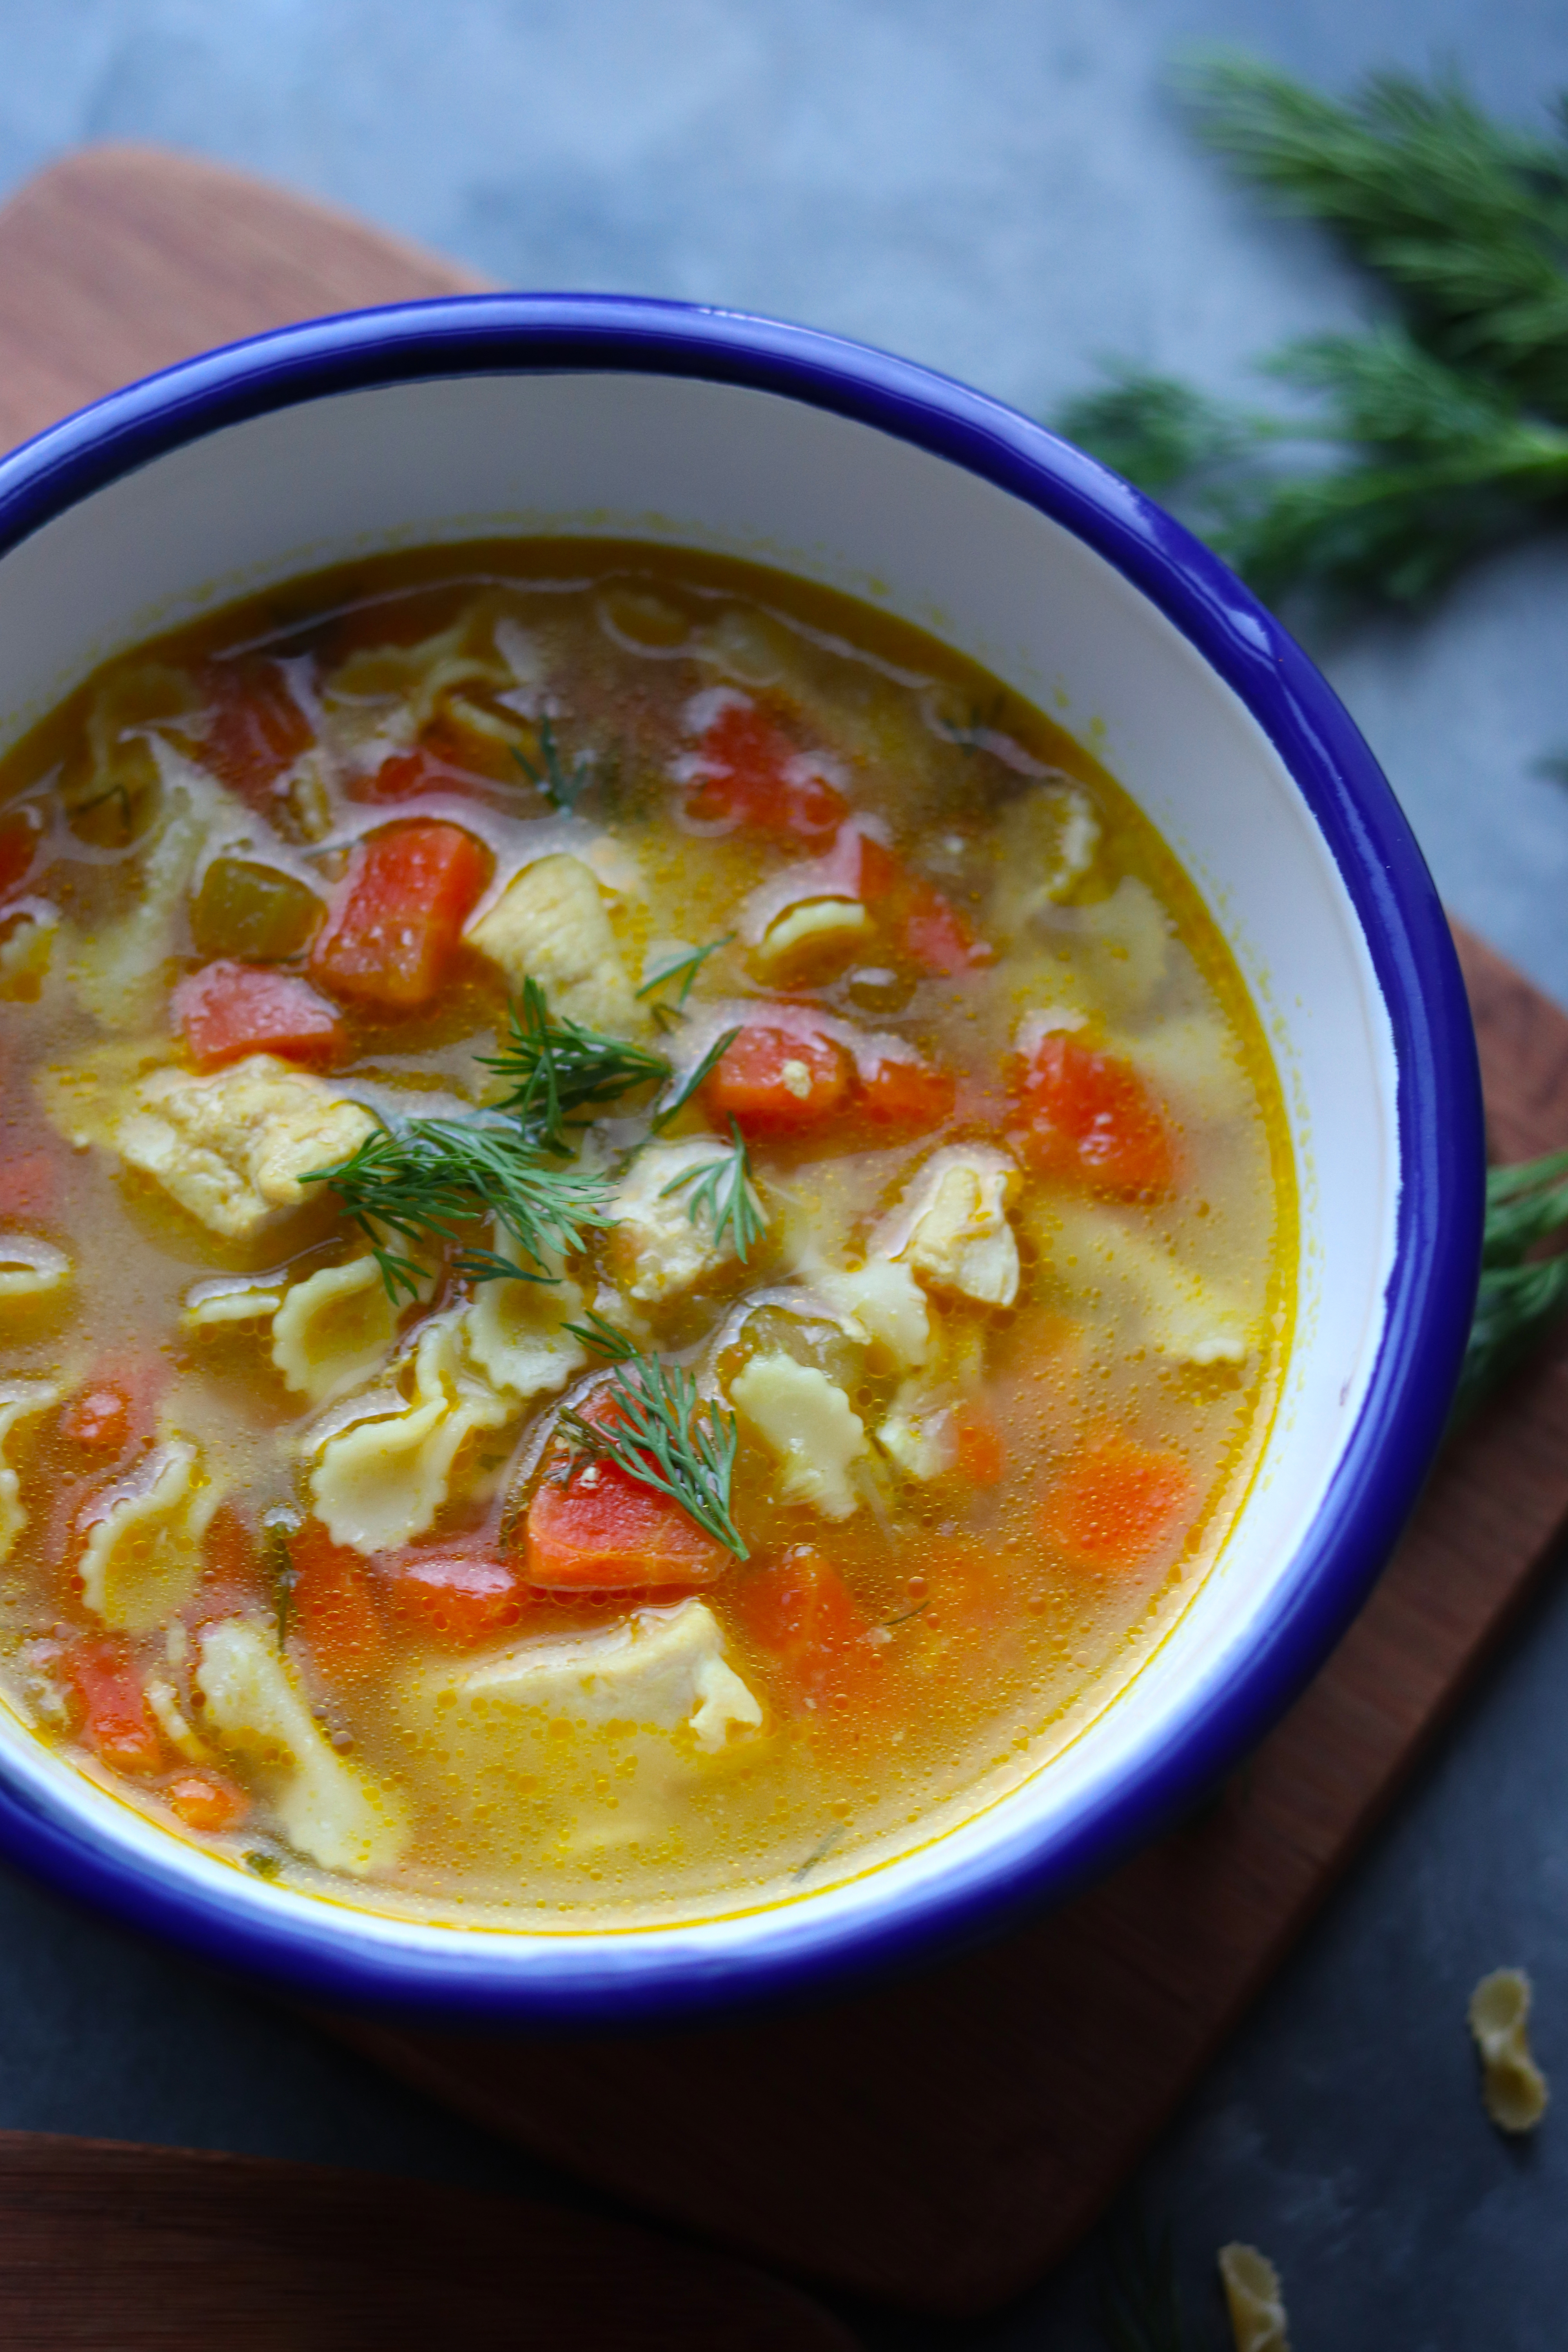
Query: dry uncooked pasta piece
(1254, 2299)
(1512, 2084)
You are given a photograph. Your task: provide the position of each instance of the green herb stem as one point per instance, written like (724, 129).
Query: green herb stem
(684, 968)
(563, 787)
(432, 1179)
(694, 1079)
(662, 1434)
(556, 1070)
(726, 1189)
(1521, 1297)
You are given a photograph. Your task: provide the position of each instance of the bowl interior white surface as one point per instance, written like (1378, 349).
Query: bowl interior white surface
(753, 474)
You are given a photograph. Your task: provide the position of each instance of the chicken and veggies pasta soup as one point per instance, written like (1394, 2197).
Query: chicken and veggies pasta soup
(646, 1238)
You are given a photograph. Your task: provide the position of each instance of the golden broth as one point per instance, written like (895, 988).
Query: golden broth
(995, 1412)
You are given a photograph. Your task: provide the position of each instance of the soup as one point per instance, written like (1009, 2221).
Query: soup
(646, 1236)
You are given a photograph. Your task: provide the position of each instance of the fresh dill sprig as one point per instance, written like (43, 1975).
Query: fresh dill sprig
(1139, 2302)
(555, 1068)
(666, 1437)
(1420, 444)
(1466, 219)
(595, 1331)
(684, 968)
(693, 1079)
(563, 787)
(278, 1528)
(726, 1189)
(433, 1178)
(1521, 1297)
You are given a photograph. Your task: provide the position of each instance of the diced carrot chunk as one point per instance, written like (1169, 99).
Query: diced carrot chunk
(234, 1577)
(935, 935)
(18, 841)
(119, 1724)
(453, 1597)
(256, 729)
(1092, 1120)
(919, 920)
(592, 1527)
(29, 1186)
(406, 774)
(398, 917)
(981, 1448)
(757, 777)
(799, 1612)
(206, 1801)
(1115, 1502)
(602, 1530)
(911, 1095)
(335, 1605)
(774, 1078)
(229, 1010)
(99, 1418)
(116, 1406)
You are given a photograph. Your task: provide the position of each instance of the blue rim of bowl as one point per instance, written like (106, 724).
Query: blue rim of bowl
(612, 1981)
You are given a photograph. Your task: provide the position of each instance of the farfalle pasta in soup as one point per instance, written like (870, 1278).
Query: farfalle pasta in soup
(644, 1236)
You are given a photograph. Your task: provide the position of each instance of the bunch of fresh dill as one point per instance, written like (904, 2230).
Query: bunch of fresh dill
(1423, 441)
(1522, 1295)
(1139, 2302)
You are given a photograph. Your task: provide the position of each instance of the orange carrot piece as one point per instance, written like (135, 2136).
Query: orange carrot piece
(207, 1801)
(256, 729)
(451, 1596)
(981, 1448)
(228, 1010)
(755, 776)
(601, 1530)
(1115, 1503)
(800, 1612)
(774, 1078)
(396, 918)
(118, 1723)
(1092, 1120)
(908, 1094)
(335, 1606)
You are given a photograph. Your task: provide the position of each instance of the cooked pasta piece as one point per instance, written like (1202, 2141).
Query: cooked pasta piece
(808, 1423)
(142, 1554)
(333, 1331)
(664, 1241)
(21, 1402)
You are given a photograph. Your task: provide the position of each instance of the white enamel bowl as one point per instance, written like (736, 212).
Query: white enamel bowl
(561, 414)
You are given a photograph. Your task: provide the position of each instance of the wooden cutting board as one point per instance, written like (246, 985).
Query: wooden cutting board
(937, 2142)
(113, 2248)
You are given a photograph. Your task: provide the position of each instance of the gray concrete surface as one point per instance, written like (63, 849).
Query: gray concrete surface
(1006, 191)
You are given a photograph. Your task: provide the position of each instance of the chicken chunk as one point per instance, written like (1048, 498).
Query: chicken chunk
(143, 1555)
(231, 1148)
(660, 1669)
(663, 1240)
(952, 1227)
(332, 1812)
(550, 925)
